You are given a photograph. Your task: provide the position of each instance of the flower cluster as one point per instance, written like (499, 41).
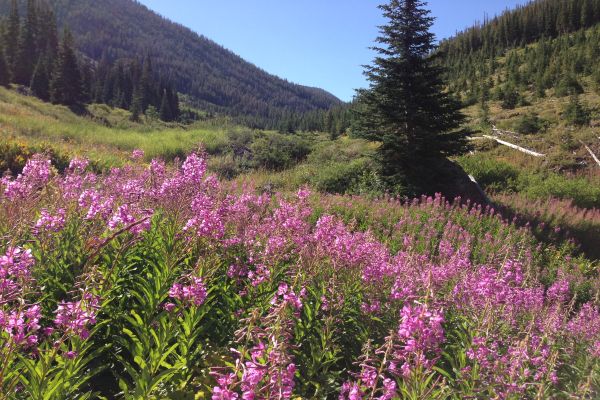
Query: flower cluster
(51, 223)
(192, 294)
(36, 174)
(77, 317)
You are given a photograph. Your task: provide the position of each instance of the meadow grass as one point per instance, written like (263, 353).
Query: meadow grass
(33, 121)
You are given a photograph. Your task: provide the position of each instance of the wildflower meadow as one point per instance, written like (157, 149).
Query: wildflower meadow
(155, 281)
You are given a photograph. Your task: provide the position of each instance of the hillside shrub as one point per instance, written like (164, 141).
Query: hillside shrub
(568, 86)
(576, 113)
(489, 173)
(531, 123)
(275, 151)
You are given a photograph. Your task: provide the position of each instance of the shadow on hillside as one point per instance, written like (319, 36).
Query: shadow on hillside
(451, 180)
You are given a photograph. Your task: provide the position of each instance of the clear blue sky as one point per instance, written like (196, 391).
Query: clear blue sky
(320, 43)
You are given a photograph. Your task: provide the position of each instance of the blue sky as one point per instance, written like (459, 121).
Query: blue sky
(320, 43)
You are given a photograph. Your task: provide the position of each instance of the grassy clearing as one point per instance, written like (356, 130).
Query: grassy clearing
(105, 134)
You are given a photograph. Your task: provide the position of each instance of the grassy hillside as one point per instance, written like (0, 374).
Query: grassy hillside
(105, 135)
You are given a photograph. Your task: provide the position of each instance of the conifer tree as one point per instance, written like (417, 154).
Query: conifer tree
(173, 99)
(137, 104)
(165, 108)
(65, 86)
(145, 84)
(40, 81)
(11, 38)
(4, 71)
(406, 108)
(47, 41)
(27, 51)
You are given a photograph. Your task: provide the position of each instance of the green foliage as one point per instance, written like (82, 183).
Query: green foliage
(500, 176)
(4, 71)
(406, 108)
(531, 123)
(568, 86)
(576, 113)
(491, 174)
(275, 151)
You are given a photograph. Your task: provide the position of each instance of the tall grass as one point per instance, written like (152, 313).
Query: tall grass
(34, 121)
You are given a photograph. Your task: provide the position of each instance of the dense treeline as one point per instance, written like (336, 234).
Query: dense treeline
(32, 55)
(215, 79)
(546, 44)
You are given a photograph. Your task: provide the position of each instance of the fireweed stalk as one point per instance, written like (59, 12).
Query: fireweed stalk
(451, 298)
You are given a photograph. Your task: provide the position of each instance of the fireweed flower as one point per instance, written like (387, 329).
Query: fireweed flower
(16, 262)
(422, 334)
(50, 223)
(36, 174)
(22, 325)
(128, 215)
(76, 317)
(192, 294)
(137, 154)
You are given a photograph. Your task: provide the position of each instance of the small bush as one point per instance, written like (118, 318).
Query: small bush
(276, 151)
(489, 173)
(576, 113)
(568, 86)
(530, 124)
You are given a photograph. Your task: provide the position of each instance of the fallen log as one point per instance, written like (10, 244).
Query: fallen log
(514, 146)
(591, 153)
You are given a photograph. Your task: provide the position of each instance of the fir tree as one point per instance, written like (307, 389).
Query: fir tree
(576, 113)
(27, 52)
(137, 104)
(4, 71)
(405, 107)
(11, 37)
(65, 86)
(173, 99)
(165, 108)
(40, 81)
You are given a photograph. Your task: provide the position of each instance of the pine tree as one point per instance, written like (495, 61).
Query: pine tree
(173, 99)
(4, 71)
(47, 41)
(40, 81)
(405, 107)
(65, 86)
(145, 84)
(137, 104)
(165, 108)
(11, 38)
(27, 52)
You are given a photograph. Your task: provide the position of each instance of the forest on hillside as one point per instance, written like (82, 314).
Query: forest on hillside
(547, 44)
(216, 80)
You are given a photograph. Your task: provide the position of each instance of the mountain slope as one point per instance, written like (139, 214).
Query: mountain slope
(215, 78)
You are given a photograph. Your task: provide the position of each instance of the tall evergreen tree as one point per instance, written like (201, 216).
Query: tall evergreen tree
(47, 40)
(165, 108)
(137, 104)
(406, 108)
(66, 86)
(27, 52)
(146, 83)
(11, 38)
(4, 71)
(40, 81)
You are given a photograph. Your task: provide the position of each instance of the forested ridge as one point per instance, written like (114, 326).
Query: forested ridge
(35, 56)
(216, 79)
(545, 44)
